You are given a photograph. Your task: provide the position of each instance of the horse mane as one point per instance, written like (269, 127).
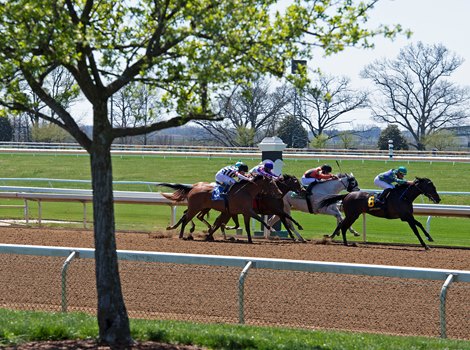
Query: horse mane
(286, 176)
(421, 179)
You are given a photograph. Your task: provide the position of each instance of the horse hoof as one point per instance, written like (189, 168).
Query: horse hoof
(356, 234)
(209, 238)
(430, 239)
(190, 238)
(169, 228)
(301, 228)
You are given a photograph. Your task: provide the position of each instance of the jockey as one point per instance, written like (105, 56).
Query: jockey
(386, 179)
(230, 174)
(315, 175)
(264, 169)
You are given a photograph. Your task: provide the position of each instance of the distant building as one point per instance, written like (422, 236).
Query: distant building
(462, 134)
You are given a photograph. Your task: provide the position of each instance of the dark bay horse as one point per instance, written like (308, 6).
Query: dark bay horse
(239, 200)
(320, 191)
(267, 204)
(398, 205)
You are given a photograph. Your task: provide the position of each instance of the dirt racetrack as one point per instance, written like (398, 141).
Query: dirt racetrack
(202, 294)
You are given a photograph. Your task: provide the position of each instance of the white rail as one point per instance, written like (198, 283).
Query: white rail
(41, 194)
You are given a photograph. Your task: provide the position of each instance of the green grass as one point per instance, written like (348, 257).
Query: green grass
(23, 326)
(447, 176)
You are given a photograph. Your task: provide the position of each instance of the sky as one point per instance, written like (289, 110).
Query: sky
(431, 21)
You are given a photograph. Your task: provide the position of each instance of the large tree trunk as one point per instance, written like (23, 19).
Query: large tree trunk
(113, 320)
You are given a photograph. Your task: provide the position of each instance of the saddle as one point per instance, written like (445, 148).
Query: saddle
(217, 193)
(378, 201)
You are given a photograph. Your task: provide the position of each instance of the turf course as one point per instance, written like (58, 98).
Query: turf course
(447, 176)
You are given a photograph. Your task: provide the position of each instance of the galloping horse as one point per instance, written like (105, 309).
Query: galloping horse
(320, 191)
(398, 205)
(239, 200)
(266, 204)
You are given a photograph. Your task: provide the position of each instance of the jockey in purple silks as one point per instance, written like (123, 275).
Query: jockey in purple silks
(264, 169)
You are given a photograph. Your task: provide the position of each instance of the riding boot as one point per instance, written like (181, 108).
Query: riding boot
(309, 188)
(380, 199)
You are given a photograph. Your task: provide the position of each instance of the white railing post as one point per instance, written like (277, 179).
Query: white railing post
(443, 305)
(64, 279)
(241, 293)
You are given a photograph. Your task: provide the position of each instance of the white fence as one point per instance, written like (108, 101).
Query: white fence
(247, 263)
(41, 194)
(214, 152)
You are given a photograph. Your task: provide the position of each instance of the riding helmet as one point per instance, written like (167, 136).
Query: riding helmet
(269, 165)
(402, 170)
(237, 164)
(243, 167)
(326, 168)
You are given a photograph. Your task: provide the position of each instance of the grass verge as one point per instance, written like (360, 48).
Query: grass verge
(23, 326)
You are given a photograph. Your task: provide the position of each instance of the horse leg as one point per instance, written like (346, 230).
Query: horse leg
(219, 221)
(260, 219)
(201, 215)
(289, 227)
(235, 220)
(339, 218)
(336, 231)
(177, 224)
(426, 233)
(247, 227)
(187, 217)
(345, 224)
(411, 222)
(223, 227)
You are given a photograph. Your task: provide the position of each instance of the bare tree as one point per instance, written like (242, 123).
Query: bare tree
(249, 113)
(327, 99)
(414, 92)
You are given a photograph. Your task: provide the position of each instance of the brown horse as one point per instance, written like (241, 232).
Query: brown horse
(239, 200)
(398, 205)
(266, 204)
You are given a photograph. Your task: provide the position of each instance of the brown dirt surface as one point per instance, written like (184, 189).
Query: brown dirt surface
(415, 256)
(323, 250)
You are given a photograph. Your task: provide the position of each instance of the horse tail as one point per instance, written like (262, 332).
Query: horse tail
(331, 200)
(180, 194)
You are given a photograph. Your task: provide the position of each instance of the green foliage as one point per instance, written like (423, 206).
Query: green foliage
(24, 326)
(319, 141)
(391, 132)
(49, 133)
(347, 139)
(6, 130)
(292, 133)
(441, 140)
(245, 136)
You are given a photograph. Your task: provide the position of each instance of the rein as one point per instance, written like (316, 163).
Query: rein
(243, 186)
(414, 185)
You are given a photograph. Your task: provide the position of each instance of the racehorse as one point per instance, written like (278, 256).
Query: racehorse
(239, 200)
(266, 204)
(320, 191)
(397, 205)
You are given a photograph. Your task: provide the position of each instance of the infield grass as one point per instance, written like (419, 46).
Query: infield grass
(447, 176)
